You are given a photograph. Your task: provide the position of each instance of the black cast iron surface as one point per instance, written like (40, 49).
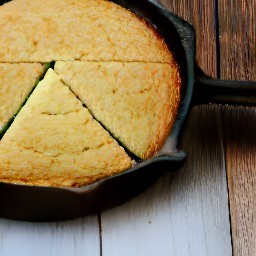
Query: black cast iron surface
(36, 203)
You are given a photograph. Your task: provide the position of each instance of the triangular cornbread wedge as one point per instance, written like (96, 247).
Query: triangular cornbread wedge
(95, 30)
(16, 83)
(54, 141)
(136, 102)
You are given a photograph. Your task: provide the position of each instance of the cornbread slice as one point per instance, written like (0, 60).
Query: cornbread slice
(16, 83)
(95, 30)
(49, 5)
(54, 141)
(136, 102)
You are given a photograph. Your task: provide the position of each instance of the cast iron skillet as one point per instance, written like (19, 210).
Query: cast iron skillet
(36, 203)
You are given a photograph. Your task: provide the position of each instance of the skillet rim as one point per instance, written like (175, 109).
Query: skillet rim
(168, 152)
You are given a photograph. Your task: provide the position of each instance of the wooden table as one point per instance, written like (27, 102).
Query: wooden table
(209, 208)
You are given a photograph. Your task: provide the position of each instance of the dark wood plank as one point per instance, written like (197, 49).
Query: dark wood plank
(237, 21)
(201, 14)
(238, 61)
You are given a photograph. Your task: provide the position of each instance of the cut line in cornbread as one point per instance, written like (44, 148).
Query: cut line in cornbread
(54, 141)
(16, 83)
(136, 102)
(115, 83)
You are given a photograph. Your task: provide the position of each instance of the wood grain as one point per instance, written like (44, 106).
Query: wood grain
(182, 215)
(201, 14)
(240, 127)
(70, 238)
(238, 61)
(237, 21)
(186, 214)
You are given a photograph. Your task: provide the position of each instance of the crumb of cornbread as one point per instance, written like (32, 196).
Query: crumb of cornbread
(39, 31)
(136, 102)
(96, 30)
(54, 141)
(17, 80)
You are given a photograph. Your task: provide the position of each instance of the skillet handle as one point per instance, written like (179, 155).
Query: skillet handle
(210, 90)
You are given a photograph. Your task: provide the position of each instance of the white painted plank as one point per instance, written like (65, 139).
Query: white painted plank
(183, 215)
(76, 237)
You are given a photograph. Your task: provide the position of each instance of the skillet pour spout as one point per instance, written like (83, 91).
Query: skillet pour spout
(35, 203)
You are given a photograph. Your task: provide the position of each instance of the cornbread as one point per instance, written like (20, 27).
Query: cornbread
(94, 30)
(114, 85)
(16, 83)
(54, 141)
(134, 101)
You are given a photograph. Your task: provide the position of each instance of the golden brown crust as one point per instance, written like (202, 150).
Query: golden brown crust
(54, 141)
(166, 121)
(118, 50)
(33, 169)
(40, 34)
(137, 102)
(16, 83)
